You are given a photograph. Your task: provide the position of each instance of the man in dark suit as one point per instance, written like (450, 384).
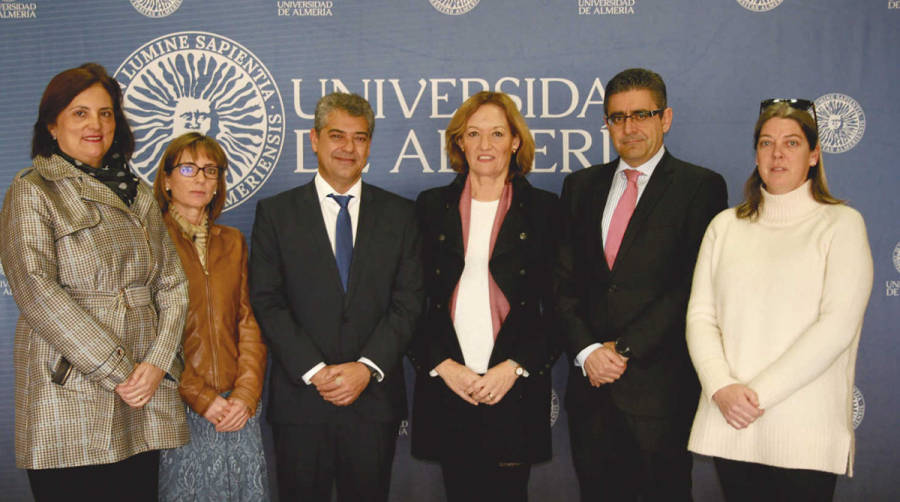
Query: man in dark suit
(336, 284)
(633, 229)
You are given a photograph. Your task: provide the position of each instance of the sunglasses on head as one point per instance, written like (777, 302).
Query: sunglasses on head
(795, 103)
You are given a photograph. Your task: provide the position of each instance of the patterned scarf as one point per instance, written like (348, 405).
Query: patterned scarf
(114, 174)
(197, 233)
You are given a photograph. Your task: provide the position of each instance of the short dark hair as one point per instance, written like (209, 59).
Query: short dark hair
(61, 90)
(353, 104)
(636, 78)
(192, 142)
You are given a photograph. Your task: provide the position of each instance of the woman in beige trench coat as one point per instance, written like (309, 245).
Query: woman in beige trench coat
(102, 299)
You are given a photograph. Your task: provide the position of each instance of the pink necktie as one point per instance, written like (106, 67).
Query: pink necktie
(621, 215)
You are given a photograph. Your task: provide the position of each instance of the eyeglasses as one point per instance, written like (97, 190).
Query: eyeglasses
(191, 170)
(618, 119)
(795, 103)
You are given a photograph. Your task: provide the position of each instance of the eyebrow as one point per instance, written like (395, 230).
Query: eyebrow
(334, 129)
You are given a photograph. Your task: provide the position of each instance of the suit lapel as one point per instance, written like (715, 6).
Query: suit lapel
(365, 231)
(311, 231)
(514, 225)
(597, 206)
(656, 187)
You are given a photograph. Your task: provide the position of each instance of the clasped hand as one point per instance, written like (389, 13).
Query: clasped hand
(141, 385)
(605, 365)
(473, 388)
(341, 384)
(739, 405)
(228, 415)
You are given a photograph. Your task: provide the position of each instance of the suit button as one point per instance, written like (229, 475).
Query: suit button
(522, 303)
(523, 236)
(522, 271)
(437, 306)
(612, 288)
(442, 237)
(437, 271)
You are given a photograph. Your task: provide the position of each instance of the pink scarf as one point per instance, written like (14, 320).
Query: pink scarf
(499, 303)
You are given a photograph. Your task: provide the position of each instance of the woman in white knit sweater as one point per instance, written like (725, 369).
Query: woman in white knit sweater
(779, 292)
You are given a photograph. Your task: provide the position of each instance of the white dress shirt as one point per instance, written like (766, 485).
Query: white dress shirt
(330, 209)
(616, 189)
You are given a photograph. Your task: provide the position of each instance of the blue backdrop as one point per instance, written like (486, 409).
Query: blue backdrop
(250, 72)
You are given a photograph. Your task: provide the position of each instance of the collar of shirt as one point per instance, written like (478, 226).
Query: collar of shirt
(646, 169)
(330, 207)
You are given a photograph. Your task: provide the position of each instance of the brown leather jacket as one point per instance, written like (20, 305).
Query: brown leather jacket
(222, 344)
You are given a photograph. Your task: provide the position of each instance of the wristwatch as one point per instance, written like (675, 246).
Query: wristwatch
(622, 349)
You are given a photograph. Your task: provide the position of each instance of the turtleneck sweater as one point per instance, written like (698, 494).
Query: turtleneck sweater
(777, 304)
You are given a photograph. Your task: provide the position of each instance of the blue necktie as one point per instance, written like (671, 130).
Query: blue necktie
(343, 238)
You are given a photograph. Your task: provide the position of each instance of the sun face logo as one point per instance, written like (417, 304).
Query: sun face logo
(199, 81)
(454, 7)
(759, 5)
(156, 8)
(859, 407)
(842, 122)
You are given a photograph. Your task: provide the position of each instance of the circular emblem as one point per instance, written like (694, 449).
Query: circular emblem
(199, 81)
(554, 407)
(859, 407)
(454, 7)
(897, 257)
(759, 5)
(156, 8)
(842, 122)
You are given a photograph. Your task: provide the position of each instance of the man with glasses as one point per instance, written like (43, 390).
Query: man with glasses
(633, 229)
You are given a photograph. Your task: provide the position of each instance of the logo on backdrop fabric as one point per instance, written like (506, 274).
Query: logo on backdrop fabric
(842, 122)
(156, 8)
(859, 407)
(759, 5)
(304, 8)
(892, 287)
(896, 257)
(454, 7)
(554, 407)
(199, 81)
(12, 9)
(605, 7)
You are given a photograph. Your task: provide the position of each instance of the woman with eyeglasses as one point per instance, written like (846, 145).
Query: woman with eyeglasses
(774, 319)
(224, 353)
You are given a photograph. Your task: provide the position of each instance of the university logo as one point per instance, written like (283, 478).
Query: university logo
(896, 257)
(156, 8)
(454, 7)
(200, 81)
(759, 5)
(13, 9)
(859, 407)
(303, 8)
(554, 407)
(842, 122)
(605, 7)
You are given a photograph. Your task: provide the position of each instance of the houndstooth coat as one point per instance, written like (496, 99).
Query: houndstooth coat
(99, 285)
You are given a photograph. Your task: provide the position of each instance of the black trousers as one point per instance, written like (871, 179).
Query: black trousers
(135, 479)
(476, 481)
(748, 481)
(624, 457)
(356, 458)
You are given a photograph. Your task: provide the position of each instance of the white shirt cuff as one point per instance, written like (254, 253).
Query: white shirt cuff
(368, 362)
(307, 377)
(583, 355)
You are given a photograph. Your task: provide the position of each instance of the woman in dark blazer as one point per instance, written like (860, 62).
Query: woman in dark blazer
(484, 349)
